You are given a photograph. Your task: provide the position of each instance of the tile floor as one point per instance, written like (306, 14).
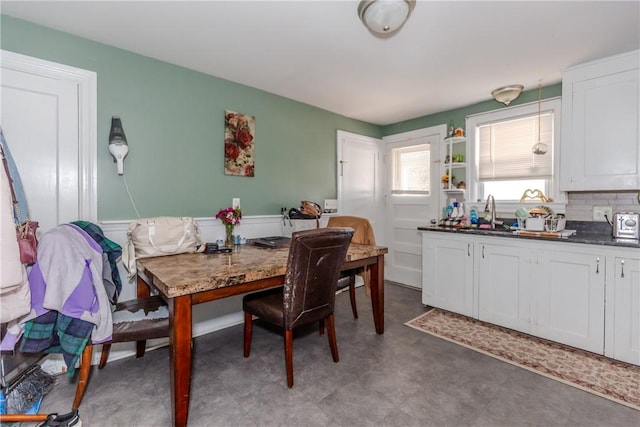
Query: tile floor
(401, 378)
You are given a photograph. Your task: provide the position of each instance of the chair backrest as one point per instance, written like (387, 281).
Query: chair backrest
(363, 231)
(313, 267)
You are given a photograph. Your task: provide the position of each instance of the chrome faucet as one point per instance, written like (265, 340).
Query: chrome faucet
(491, 208)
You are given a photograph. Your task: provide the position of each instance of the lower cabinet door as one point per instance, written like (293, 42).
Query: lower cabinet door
(503, 294)
(568, 299)
(447, 273)
(626, 310)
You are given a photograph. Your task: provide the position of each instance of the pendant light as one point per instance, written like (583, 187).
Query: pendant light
(540, 148)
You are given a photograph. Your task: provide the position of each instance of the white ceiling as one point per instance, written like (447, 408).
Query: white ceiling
(448, 55)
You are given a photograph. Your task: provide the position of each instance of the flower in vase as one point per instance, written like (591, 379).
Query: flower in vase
(229, 216)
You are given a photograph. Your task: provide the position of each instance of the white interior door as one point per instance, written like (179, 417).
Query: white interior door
(47, 115)
(360, 182)
(406, 212)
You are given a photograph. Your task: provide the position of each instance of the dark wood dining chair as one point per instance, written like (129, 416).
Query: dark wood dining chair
(309, 290)
(142, 319)
(137, 320)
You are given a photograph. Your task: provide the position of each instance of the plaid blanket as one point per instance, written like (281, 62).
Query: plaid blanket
(53, 332)
(109, 247)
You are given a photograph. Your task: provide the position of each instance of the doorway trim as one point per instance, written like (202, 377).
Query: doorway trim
(87, 120)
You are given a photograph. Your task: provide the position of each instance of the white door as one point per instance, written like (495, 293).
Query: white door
(359, 180)
(407, 210)
(48, 119)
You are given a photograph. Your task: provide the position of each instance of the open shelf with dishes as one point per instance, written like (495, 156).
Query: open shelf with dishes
(454, 170)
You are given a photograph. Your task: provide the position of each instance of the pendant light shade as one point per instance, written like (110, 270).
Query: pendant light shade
(540, 148)
(506, 94)
(385, 17)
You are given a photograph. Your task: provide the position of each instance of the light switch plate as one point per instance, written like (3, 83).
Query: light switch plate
(235, 203)
(330, 205)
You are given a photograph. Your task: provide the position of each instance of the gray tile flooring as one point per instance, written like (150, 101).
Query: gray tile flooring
(401, 378)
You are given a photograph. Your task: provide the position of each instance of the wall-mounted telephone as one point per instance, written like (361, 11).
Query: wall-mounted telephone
(118, 146)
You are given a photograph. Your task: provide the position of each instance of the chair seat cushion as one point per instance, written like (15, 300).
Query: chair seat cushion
(140, 330)
(267, 305)
(140, 319)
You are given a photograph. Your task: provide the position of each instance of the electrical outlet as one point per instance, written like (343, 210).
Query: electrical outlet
(599, 213)
(235, 203)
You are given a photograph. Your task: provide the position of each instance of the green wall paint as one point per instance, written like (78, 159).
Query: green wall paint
(174, 122)
(458, 115)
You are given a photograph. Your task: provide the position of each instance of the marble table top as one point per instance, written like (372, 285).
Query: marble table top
(184, 274)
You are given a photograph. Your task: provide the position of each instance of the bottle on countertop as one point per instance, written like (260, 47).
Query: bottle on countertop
(473, 215)
(454, 211)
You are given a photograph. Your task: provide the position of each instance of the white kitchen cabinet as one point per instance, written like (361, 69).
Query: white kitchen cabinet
(600, 146)
(503, 283)
(554, 290)
(623, 307)
(447, 272)
(567, 296)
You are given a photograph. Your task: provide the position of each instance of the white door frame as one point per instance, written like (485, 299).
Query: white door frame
(87, 120)
(404, 260)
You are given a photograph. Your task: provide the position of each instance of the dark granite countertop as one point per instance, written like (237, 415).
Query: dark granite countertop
(587, 232)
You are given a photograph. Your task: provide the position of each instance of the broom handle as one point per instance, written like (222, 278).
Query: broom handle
(9, 418)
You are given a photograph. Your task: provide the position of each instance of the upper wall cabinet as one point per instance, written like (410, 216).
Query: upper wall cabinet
(600, 147)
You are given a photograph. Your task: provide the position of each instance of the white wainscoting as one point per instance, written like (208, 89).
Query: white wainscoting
(208, 317)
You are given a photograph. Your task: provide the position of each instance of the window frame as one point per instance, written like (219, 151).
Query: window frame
(411, 148)
(473, 121)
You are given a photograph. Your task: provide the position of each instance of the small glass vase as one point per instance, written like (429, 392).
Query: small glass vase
(228, 240)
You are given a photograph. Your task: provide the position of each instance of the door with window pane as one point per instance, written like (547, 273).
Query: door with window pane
(412, 196)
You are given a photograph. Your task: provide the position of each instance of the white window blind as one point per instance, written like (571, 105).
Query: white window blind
(505, 148)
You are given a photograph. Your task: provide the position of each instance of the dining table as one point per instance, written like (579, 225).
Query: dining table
(185, 280)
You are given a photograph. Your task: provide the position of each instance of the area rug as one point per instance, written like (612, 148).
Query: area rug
(608, 378)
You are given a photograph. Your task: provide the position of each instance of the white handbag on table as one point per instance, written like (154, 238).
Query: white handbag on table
(160, 236)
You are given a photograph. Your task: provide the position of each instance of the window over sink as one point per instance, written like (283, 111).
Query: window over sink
(500, 150)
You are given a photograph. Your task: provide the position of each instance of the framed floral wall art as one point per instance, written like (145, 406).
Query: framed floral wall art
(239, 132)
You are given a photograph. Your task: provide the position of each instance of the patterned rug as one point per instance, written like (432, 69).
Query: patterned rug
(608, 378)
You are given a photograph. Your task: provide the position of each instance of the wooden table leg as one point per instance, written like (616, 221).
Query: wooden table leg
(180, 357)
(377, 294)
(143, 290)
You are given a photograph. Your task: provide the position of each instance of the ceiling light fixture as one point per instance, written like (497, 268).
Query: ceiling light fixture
(506, 94)
(385, 17)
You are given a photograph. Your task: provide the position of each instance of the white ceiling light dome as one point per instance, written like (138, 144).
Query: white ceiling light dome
(506, 94)
(385, 17)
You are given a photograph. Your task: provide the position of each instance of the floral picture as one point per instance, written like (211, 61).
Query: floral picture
(239, 132)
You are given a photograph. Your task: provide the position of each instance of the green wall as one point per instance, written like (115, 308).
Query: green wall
(174, 122)
(458, 115)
